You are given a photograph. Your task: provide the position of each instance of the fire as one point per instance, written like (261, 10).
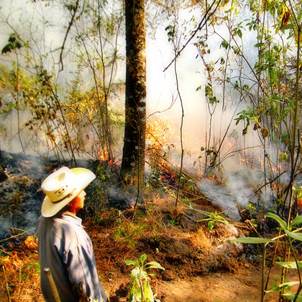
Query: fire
(156, 142)
(103, 154)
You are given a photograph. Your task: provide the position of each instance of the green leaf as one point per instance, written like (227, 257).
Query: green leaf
(295, 236)
(280, 221)
(252, 240)
(289, 284)
(224, 44)
(130, 262)
(135, 294)
(7, 48)
(143, 258)
(148, 294)
(291, 297)
(209, 93)
(154, 264)
(290, 264)
(238, 32)
(297, 220)
(211, 225)
(285, 285)
(13, 43)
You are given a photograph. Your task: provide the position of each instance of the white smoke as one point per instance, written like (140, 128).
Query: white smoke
(240, 183)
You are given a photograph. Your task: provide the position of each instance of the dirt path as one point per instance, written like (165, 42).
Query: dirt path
(244, 285)
(216, 287)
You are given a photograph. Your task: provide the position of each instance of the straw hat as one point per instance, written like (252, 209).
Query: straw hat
(62, 186)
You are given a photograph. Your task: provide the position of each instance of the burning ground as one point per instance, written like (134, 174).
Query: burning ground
(193, 242)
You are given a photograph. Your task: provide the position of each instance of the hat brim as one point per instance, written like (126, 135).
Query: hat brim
(83, 177)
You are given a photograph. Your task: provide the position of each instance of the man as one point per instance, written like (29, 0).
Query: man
(64, 246)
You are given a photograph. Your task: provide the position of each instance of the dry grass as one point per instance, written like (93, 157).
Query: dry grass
(183, 247)
(159, 232)
(19, 276)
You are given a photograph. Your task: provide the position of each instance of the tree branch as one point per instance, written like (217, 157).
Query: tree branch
(75, 9)
(201, 24)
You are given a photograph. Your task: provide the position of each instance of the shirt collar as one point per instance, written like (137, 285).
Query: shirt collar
(68, 216)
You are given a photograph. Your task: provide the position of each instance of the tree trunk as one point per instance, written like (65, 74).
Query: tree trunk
(133, 163)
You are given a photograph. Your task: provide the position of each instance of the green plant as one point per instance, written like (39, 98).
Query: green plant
(212, 218)
(141, 290)
(172, 221)
(298, 191)
(290, 232)
(129, 232)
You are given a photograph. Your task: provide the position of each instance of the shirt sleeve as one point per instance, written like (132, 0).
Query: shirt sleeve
(79, 261)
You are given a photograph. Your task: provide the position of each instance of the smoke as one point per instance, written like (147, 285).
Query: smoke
(43, 24)
(240, 179)
(238, 190)
(220, 197)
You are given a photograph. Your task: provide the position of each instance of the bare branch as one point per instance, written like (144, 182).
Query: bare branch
(201, 24)
(75, 9)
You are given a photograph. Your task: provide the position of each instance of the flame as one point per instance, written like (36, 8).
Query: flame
(102, 154)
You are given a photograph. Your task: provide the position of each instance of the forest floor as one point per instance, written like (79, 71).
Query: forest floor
(193, 242)
(200, 264)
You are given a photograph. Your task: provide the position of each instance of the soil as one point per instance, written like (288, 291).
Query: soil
(215, 287)
(201, 264)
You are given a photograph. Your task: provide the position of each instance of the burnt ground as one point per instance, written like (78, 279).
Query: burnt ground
(201, 264)
(196, 259)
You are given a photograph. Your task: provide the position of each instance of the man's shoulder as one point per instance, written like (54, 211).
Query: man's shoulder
(67, 228)
(62, 232)
(61, 223)
(66, 223)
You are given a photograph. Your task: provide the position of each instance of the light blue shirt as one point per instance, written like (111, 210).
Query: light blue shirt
(66, 249)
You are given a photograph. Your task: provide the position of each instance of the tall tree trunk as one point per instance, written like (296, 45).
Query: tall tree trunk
(133, 162)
